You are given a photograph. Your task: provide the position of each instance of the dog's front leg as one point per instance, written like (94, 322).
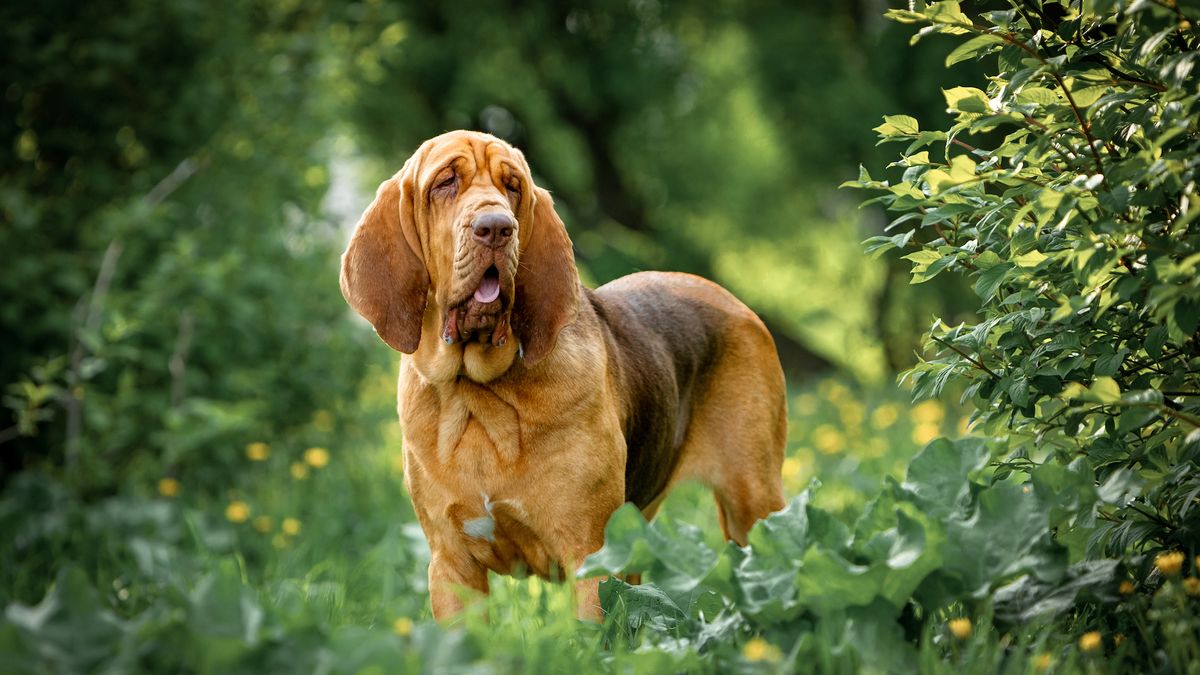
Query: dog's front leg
(587, 599)
(452, 578)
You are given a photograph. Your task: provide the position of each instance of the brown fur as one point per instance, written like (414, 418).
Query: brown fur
(555, 403)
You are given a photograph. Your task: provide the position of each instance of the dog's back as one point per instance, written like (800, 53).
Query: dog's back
(673, 340)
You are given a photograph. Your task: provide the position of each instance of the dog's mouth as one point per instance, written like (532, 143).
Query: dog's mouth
(482, 316)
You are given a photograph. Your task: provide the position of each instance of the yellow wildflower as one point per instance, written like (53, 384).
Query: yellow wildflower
(960, 627)
(923, 433)
(299, 471)
(851, 414)
(928, 412)
(885, 416)
(828, 440)
(759, 649)
(290, 526)
(1191, 586)
(168, 487)
(1169, 563)
(1043, 661)
(262, 524)
(258, 452)
(237, 511)
(1126, 587)
(403, 626)
(791, 469)
(1090, 642)
(317, 458)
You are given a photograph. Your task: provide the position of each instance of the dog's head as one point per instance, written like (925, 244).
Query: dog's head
(462, 231)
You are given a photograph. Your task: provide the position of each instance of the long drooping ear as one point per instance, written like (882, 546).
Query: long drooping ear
(383, 275)
(547, 295)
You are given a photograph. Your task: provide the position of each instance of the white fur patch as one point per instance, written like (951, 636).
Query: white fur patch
(483, 527)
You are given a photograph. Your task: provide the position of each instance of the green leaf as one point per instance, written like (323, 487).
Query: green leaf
(71, 628)
(625, 548)
(1030, 259)
(999, 538)
(966, 99)
(973, 48)
(990, 280)
(897, 125)
(937, 479)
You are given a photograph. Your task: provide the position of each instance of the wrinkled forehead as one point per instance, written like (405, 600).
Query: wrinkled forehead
(467, 151)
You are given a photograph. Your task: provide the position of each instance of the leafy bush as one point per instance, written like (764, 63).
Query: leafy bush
(1067, 192)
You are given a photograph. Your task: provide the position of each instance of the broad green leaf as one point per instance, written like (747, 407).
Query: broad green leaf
(1028, 599)
(976, 46)
(1030, 259)
(73, 630)
(966, 99)
(999, 538)
(897, 125)
(625, 548)
(990, 280)
(938, 477)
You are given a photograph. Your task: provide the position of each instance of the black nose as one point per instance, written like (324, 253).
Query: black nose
(493, 229)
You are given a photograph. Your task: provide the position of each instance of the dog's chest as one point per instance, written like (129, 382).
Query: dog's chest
(468, 477)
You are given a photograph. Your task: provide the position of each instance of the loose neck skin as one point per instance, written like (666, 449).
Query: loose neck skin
(439, 362)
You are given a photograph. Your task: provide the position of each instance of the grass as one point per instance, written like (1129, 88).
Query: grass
(309, 558)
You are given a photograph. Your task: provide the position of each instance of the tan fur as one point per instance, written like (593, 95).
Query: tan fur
(523, 436)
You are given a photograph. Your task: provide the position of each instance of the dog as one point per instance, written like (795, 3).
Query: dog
(533, 407)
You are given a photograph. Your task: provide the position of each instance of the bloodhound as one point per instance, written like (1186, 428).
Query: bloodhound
(532, 407)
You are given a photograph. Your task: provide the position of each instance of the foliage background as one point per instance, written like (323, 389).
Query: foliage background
(200, 460)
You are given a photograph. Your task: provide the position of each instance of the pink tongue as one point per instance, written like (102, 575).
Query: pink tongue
(489, 289)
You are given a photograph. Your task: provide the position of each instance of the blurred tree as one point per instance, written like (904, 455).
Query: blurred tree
(161, 168)
(705, 139)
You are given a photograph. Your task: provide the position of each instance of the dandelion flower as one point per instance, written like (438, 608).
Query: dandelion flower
(258, 452)
(828, 439)
(759, 649)
(262, 524)
(299, 470)
(1043, 661)
(168, 487)
(1090, 642)
(851, 414)
(237, 511)
(403, 626)
(1169, 563)
(290, 526)
(791, 469)
(924, 433)
(1191, 586)
(885, 416)
(928, 412)
(960, 627)
(1126, 587)
(317, 458)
